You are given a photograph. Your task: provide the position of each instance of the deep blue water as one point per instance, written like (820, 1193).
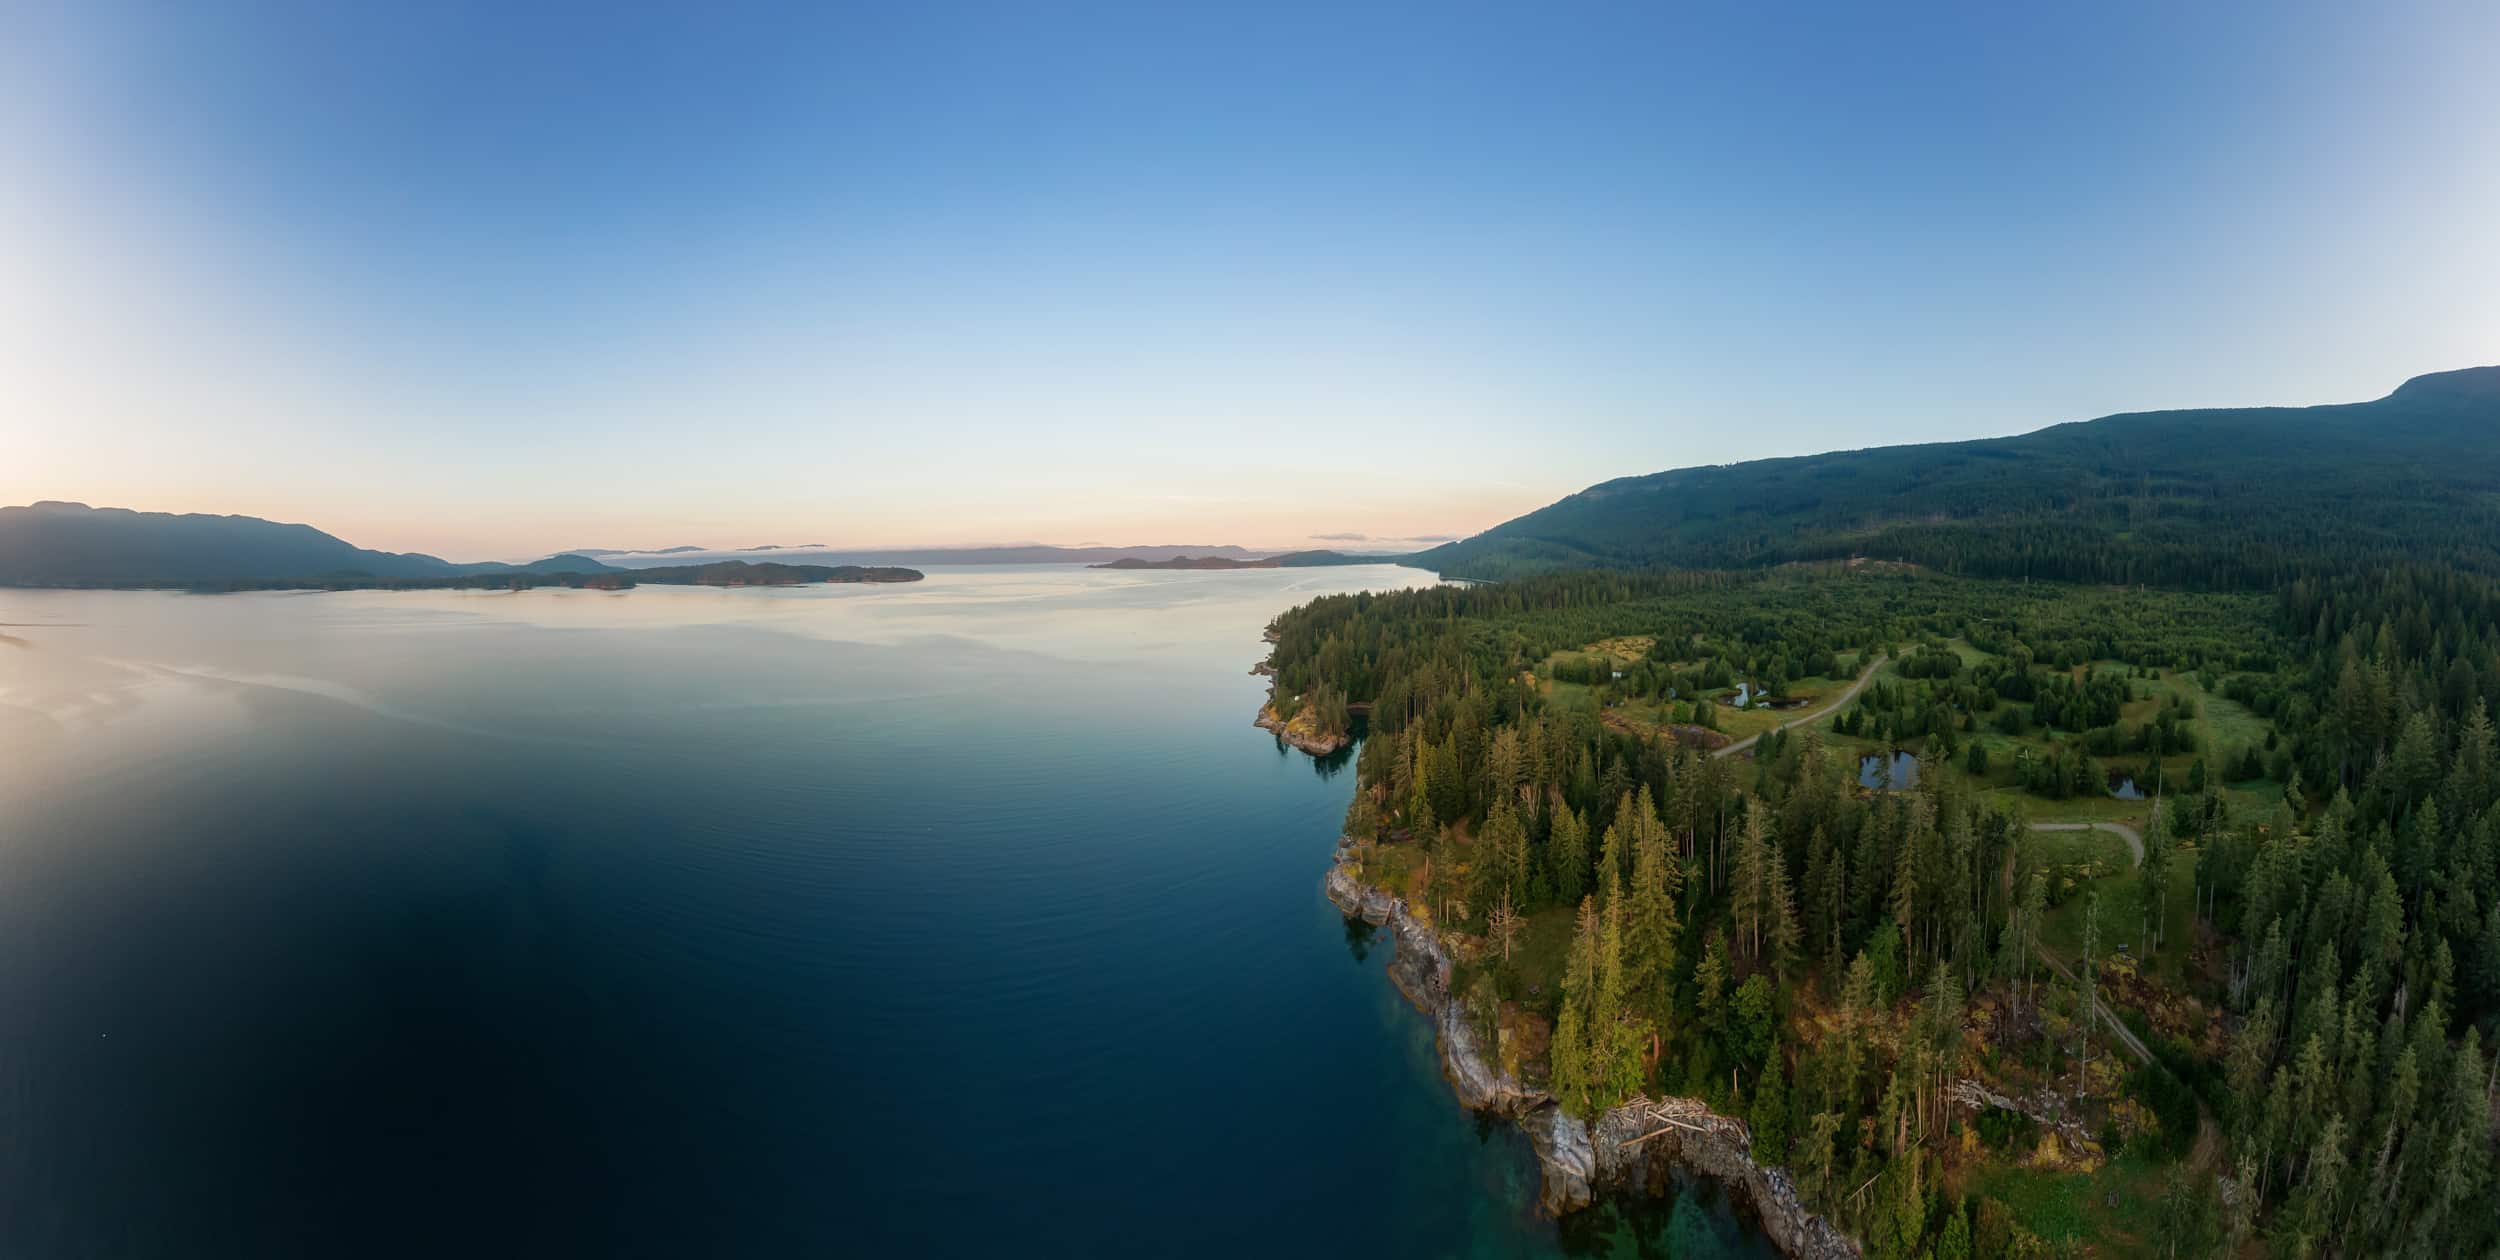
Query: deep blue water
(968, 918)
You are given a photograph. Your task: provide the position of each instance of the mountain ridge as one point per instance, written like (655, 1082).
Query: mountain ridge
(2244, 497)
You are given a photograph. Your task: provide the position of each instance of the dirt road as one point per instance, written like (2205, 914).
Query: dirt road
(1864, 676)
(2133, 837)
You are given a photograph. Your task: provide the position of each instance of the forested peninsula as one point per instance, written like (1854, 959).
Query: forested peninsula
(1958, 915)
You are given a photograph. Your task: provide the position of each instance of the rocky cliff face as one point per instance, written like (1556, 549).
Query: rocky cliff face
(1631, 1149)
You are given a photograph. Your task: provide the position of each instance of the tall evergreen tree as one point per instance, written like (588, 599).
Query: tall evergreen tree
(1615, 1035)
(1768, 1118)
(1748, 886)
(2156, 876)
(1780, 907)
(1568, 852)
(1572, 1058)
(1654, 924)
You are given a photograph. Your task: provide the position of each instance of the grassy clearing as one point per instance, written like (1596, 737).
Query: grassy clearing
(1733, 722)
(2001, 749)
(2127, 915)
(1816, 692)
(1578, 696)
(2230, 724)
(1392, 866)
(2169, 966)
(1739, 723)
(2136, 814)
(2064, 848)
(2107, 1211)
(1970, 655)
(1624, 649)
(2145, 707)
(2225, 724)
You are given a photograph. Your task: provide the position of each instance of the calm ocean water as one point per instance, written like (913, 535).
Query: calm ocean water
(965, 918)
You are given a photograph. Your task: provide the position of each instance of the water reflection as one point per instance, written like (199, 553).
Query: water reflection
(693, 917)
(1335, 763)
(1360, 936)
(1693, 1218)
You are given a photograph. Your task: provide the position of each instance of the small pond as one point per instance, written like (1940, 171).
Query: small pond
(1904, 772)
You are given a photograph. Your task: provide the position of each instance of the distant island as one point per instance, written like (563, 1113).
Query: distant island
(717, 573)
(766, 573)
(57, 544)
(62, 544)
(1288, 560)
(1189, 562)
(1010, 553)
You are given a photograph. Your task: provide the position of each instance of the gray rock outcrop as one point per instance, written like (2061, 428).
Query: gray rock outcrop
(1633, 1148)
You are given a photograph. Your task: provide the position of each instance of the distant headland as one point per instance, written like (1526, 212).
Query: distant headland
(57, 544)
(1288, 560)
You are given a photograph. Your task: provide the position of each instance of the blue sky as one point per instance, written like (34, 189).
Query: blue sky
(491, 279)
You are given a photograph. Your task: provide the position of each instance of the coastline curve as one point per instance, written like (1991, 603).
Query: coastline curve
(1632, 1148)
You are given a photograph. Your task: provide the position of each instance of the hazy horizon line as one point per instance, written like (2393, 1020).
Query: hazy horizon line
(1352, 541)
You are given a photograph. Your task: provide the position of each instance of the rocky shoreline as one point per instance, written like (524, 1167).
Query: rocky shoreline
(1307, 740)
(1631, 1149)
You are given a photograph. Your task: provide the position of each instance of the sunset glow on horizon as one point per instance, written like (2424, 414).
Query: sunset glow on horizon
(1128, 275)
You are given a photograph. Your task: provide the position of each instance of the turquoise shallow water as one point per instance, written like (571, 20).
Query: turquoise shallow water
(965, 918)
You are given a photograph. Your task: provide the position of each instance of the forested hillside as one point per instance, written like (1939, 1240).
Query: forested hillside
(2245, 499)
(2260, 1025)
